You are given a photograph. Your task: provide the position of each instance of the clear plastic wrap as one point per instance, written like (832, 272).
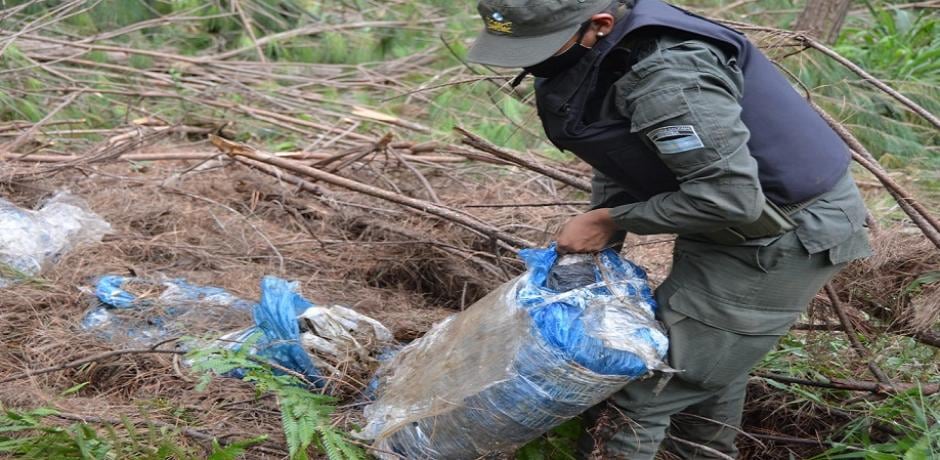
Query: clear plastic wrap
(293, 333)
(147, 311)
(30, 240)
(519, 362)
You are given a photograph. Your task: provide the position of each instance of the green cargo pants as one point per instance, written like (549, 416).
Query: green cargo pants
(724, 307)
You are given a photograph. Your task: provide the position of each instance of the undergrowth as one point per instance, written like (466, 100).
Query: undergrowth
(34, 434)
(305, 413)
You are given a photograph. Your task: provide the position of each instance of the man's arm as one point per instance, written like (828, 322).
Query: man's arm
(607, 193)
(683, 101)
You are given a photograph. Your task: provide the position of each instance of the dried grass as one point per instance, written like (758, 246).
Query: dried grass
(229, 226)
(881, 285)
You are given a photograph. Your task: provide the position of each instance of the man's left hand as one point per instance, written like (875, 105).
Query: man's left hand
(588, 232)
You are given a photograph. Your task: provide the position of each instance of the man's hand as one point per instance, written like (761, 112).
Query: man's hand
(588, 232)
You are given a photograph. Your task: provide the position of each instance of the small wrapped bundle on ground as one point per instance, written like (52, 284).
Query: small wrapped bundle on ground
(288, 330)
(31, 240)
(534, 353)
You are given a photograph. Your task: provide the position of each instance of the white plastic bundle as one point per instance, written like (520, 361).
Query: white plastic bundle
(30, 240)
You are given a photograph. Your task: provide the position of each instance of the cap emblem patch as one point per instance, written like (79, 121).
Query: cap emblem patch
(496, 23)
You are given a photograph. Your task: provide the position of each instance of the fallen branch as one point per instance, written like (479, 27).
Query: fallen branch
(174, 156)
(851, 385)
(26, 135)
(481, 144)
(853, 338)
(918, 214)
(913, 106)
(508, 241)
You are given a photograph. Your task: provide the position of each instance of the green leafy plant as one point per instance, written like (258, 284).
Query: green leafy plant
(915, 416)
(558, 444)
(31, 435)
(305, 414)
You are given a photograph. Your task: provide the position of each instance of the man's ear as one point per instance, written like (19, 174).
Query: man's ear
(602, 23)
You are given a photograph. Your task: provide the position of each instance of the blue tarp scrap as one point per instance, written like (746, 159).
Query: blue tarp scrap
(275, 316)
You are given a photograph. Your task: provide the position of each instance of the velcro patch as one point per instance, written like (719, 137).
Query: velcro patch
(675, 139)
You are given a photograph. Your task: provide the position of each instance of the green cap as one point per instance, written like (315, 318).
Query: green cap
(520, 33)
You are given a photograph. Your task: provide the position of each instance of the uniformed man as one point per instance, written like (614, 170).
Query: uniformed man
(690, 130)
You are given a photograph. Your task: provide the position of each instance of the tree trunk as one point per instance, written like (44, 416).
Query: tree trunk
(823, 18)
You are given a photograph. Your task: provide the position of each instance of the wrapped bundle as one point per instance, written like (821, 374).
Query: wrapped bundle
(532, 354)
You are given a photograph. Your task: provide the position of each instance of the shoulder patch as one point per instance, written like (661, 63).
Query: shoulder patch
(675, 139)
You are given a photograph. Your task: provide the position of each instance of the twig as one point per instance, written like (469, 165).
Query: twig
(22, 138)
(527, 205)
(853, 338)
(925, 220)
(432, 195)
(484, 145)
(790, 439)
(710, 450)
(246, 22)
(851, 385)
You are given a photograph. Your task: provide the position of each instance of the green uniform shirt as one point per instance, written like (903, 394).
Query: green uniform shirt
(681, 81)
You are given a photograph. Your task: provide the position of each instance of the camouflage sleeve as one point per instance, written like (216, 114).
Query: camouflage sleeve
(682, 100)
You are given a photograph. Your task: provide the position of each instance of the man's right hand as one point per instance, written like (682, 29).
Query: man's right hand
(588, 232)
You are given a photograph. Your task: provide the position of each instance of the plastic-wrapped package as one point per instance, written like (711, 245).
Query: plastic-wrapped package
(29, 240)
(519, 362)
(342, 341)
(147, 311)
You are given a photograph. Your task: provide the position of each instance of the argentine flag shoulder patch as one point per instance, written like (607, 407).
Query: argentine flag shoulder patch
(675, 139)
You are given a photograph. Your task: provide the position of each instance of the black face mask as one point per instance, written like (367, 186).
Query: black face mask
(561, 62)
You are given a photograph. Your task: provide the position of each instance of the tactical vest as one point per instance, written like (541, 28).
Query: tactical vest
(798, 155)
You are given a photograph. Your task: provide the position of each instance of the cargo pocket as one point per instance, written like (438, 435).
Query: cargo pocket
(710, 357)
(856, 247)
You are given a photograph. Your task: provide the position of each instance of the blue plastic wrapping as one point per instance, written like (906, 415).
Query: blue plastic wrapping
(276, 317)
(519, 362)
(148, 311)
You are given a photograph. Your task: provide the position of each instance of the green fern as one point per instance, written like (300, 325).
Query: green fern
(305, 415)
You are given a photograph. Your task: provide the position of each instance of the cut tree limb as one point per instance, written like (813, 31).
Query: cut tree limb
(506, 240)
(482, 144)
